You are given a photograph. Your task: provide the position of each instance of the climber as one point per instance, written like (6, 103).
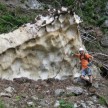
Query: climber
(86, 62)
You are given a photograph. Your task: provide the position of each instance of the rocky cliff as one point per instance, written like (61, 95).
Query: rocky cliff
(37, 50)
(25, 4)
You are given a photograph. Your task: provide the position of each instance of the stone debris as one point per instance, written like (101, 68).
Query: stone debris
(57, 104)
(30, 104)
(3, 94)
(75, 90)
(10, 89)
(59, 92)
(36, 94)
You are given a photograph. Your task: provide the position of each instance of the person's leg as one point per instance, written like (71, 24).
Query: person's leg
(90, 75)
(83, 73)
(90, 78)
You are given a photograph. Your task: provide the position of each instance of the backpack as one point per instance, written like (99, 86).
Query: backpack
(85, 58)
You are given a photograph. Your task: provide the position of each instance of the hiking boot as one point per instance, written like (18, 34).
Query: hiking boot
(88, 83)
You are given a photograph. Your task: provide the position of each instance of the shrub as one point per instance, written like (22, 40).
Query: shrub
(64, 104)
(11, 19)
(102, 100)
(2, 104)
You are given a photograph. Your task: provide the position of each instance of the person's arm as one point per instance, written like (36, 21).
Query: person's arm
(72, 54)
(90, 58)
(76, 55)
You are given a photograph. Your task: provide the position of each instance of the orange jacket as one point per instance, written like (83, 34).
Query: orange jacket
(84, 62)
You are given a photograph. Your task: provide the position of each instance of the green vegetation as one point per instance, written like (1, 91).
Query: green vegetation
(64, 104)
(95, 45)
(18, 98)
(102, 100)
(2, 104)
(11, 19)
(22, 1)
(91, 11)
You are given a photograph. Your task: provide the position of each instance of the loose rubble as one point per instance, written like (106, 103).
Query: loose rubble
(48, 93)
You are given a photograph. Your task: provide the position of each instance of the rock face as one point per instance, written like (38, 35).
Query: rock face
(75, 90)
(106, 23)
(26, 4)
(37, 50)
(107, 8)
(104, 41)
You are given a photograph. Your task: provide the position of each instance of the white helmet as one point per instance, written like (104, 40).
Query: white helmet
(81, 49)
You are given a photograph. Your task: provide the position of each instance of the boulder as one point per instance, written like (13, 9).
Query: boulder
(106, 23)
(44, 103)
(59, 92)
(57, 104)
(4, 94)
(75, 90)
(104, 41)
(25, 4)
(30, 104)
(38, 50)
(10, 89)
